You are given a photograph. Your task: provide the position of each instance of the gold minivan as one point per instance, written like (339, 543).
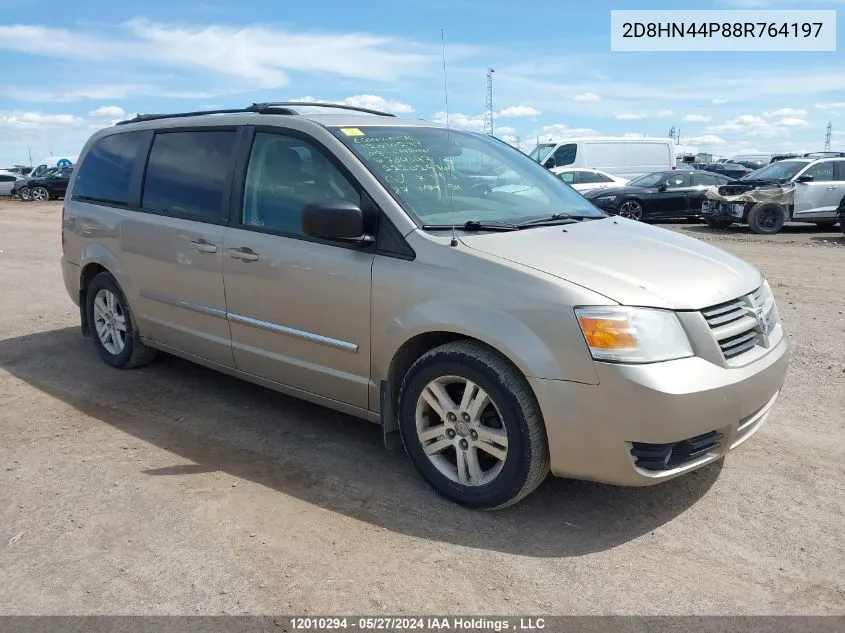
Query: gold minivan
(437, 282)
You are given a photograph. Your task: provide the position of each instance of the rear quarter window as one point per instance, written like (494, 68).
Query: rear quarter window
(106, 170)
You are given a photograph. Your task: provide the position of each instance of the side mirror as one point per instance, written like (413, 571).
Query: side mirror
(662, 188)
(338, 220)
(549, 162)
(804, 178)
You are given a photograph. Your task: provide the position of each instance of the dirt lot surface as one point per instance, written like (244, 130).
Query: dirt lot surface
(176, 490)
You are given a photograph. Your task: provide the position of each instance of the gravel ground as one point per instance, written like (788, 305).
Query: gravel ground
(176, 490)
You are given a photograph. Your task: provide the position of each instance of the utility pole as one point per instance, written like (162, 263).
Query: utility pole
(672, 133)
(827, 137)
(488, 106)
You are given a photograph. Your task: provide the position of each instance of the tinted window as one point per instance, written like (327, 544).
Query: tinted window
(568, 177)
(821, 172)
(565, 154)
(188, 173)
(591, 177)
(676, 181)
(284, 175)
(699, 178)
(106, 170)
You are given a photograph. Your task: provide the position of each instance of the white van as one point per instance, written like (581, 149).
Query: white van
(624, 157)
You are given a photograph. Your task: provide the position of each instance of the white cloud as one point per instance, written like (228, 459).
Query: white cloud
(704, 139)
(518, 111)
(696, 118)
(37, 121)
(255, 56)
(473, 123)
(561, 130)
(718, 101)
(786, 112)
(792, 122)
(589, 97)
(371, 102)
(627, 116)
(108, 112)
(840, 105)
(665, 113)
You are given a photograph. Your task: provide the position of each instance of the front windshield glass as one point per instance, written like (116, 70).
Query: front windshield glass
(781, 170)
(450, 177)
(541, 151)
(648, 180)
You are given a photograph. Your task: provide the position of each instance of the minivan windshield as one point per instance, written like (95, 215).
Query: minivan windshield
(781, 171)
(445, 176)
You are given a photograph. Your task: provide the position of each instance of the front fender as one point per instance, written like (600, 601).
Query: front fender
(567, 358)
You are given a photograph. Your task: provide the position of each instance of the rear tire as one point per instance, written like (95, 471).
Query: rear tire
(111, 325)
(482, 443)
(719, 224)
(766, 218)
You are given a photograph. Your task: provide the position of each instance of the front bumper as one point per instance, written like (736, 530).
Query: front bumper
(592, 429)
(714, 210)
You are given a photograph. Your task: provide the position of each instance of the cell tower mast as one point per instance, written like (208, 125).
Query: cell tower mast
(488, 106)
(827, 137)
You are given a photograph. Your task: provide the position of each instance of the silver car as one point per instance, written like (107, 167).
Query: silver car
(501, 331)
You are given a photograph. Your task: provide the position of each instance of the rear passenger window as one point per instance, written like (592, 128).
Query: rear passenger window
(106, 170)
(286, 173)
(188, 173)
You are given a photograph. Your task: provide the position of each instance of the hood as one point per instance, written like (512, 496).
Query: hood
(629, 262)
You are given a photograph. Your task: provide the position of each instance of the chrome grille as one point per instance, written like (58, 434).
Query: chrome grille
(734, 323)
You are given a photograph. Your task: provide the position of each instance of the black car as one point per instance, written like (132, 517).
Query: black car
(731, 170)
(659, 195)
(51, 184)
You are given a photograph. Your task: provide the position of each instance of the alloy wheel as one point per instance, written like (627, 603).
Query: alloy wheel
(632, 210)
(110, 321)
(461, 431)
(40, 194)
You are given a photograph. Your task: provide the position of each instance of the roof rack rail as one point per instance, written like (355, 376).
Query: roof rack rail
(314, 104)
(824, 154)
(280, 107)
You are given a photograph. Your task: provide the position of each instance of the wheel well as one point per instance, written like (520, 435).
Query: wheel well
(415, 347)
(88, 273)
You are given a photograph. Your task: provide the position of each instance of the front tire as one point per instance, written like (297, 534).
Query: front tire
(25, 194)
(766, 218)
(112, 327)
(40, 194)
(631, 209)
(472, 426)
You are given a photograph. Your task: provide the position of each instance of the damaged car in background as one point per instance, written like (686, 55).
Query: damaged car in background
(793, 190)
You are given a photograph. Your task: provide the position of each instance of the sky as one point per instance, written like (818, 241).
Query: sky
(68, 69)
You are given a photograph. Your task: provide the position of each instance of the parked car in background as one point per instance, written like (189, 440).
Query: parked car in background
(21, 188)
(761, 158)
(497, 337)
(582, 179)
(52, 183)
(661, 195)
(793, 189)
(728, 169)
(623, 157)
(8, 182)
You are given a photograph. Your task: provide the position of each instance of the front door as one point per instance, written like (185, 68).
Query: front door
(174, 245)
(299, 309)
(819, 198)
(672, 202)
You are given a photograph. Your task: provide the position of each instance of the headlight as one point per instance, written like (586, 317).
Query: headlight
(633, 335)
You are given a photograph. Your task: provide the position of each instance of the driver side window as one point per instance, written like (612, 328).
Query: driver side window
(565, 154)
(677, 181)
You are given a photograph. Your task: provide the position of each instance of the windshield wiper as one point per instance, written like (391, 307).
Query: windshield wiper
(557, 218)
(474, 225)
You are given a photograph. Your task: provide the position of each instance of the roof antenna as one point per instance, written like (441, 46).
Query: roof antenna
(454, 241)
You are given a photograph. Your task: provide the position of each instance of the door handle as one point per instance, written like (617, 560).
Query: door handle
(833, 187)
(244, 254)
(204, 247)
